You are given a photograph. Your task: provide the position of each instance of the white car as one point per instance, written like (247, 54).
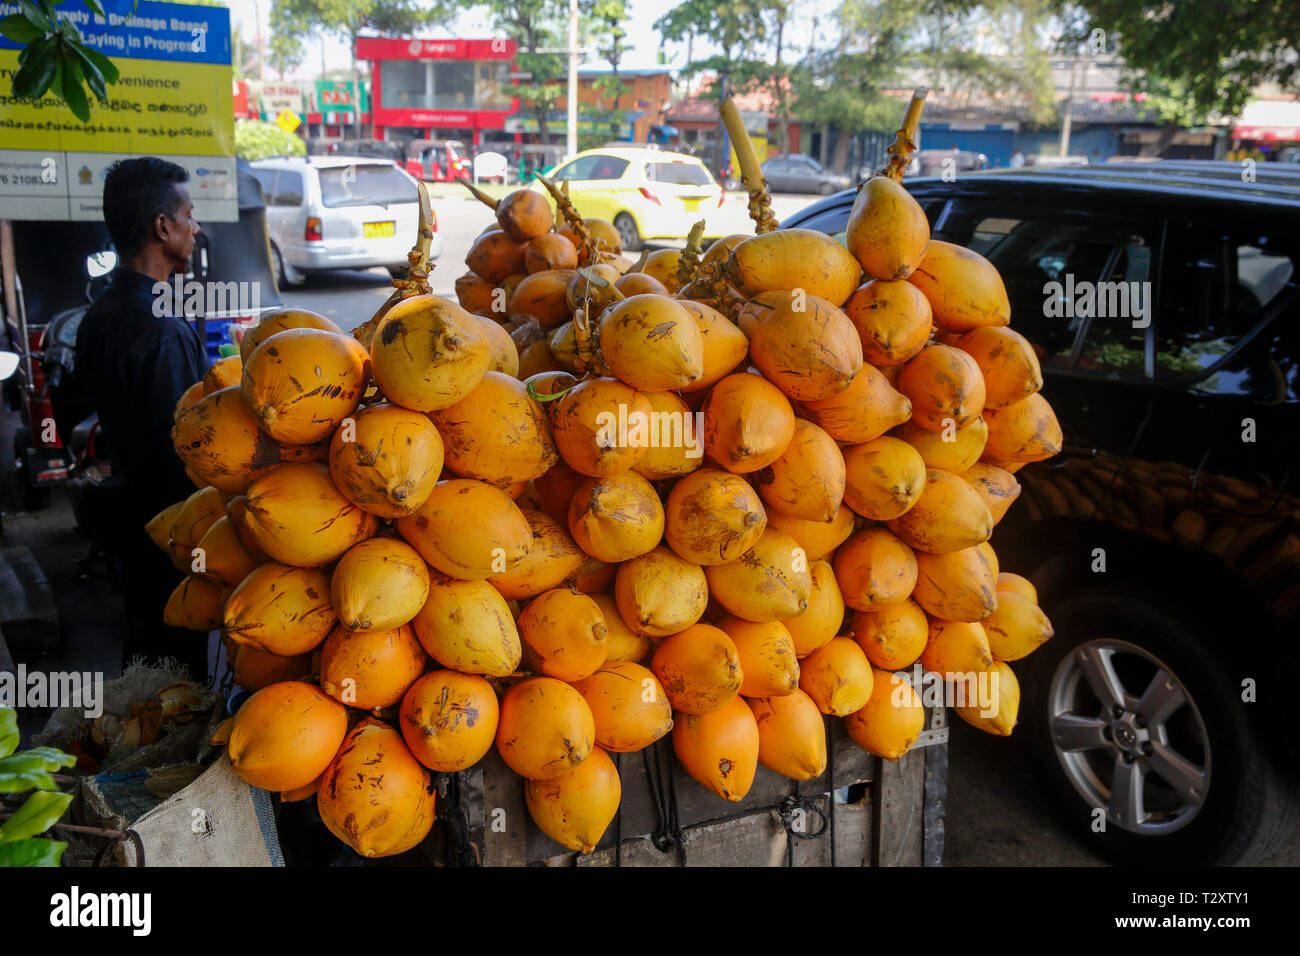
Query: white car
(339, 212)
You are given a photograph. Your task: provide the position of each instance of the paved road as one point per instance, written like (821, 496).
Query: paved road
(351, 296)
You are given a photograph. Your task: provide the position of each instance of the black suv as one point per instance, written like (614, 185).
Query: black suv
(1165, 539)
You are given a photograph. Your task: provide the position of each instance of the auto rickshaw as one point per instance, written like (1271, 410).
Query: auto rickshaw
(437, 160)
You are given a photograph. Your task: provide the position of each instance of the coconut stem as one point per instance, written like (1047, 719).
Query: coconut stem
(586, 249)
(904, 145)
(481, 196)
(689, 262)
(760, 201)
(583, 339)
(416, 281)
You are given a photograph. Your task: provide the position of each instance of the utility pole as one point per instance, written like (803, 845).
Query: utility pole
(571, 144)
(1068, 109)
(257, 24)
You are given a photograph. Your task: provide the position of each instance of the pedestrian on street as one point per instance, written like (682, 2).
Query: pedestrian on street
(1017, 159)
(135, 358)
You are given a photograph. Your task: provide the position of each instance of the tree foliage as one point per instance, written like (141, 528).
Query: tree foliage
(255, 139)
(54, 57)
(738, 32)
(1209, 55)
(536, 25)
(293, 22)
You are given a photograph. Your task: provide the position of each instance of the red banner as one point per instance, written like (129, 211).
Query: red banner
(455, 119)
(396, 48)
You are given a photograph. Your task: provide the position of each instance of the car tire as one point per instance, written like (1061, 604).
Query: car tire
(628, 232)
(826, 189)
(285, 279)
(1249, 807)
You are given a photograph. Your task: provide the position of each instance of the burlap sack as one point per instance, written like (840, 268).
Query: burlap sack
(218, 820)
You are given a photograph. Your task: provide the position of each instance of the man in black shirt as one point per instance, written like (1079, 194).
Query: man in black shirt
(134, 360)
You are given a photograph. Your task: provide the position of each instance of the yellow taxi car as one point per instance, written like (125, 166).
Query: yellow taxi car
(647, 194)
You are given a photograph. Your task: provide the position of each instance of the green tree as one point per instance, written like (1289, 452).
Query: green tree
(736, 31)
(293, 22)
(882, 45)
(1207, 54)
(255, 139)
(536, 25)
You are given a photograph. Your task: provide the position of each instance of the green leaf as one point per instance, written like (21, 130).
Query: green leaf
(35, 17)
(8, 731)
(20, 29)
(93, 6)
(102, 63)
(53, 757)
(27, 780)
(32, 852)
(73, 94)
(93, 76)
(35, 76)
(40, 812)
(47, 7)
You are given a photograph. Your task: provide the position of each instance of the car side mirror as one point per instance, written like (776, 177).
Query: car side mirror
(101, 263)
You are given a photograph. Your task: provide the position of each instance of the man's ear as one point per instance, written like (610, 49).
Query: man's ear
(161, 227)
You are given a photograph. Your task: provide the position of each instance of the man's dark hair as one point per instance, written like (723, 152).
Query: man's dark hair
(136, 191)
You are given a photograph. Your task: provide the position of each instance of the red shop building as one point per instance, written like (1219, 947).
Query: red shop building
(440, 89)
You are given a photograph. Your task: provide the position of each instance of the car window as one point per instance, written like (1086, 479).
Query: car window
(775, 166)
(288, 189)
(366, 184)
(579, 169)
(1218, 282)
(678, 174)
(266, 179)
(608, 167)
(1115, 342)
(1052, 265)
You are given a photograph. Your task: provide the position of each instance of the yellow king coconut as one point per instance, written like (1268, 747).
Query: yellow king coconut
(378, 585)
(278, 320)
(285, 735)
(768, 582)
(281, 610)
(386, 460)
(301, 383)
(887, 230)
(467, 626)
(299, 517)
(497, 433)
(576, 808)
(428, 353)
(218, 440)
(807, 347)
(375, 796)
(468, 529)
(652, 343)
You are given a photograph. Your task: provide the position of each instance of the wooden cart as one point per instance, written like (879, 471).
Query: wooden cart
(885, 813)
